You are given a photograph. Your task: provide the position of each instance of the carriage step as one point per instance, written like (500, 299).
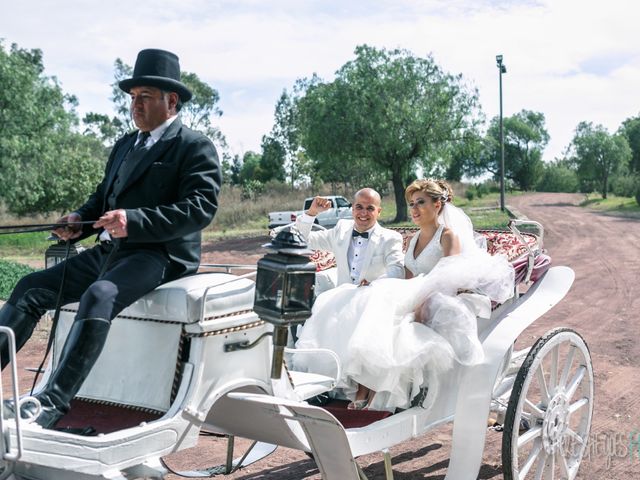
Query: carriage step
(257, 451)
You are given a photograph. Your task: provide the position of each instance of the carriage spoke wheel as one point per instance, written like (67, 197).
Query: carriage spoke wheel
(549, 413)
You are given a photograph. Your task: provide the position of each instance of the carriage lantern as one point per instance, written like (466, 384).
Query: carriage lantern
(284, 289)
(56, 253)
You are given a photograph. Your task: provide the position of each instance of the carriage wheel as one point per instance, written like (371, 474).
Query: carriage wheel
(549, 413)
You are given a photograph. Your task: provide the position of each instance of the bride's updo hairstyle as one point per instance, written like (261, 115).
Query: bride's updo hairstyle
(436, 189)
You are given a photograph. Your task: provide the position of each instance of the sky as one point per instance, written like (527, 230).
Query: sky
(573, 60)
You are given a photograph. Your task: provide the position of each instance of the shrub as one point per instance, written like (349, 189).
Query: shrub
(558, 178)
(251, 189)
(482, 189)
(10, 273)
(471, 192)
(625, 185)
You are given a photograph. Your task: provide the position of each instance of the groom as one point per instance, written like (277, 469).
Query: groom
(363, 249)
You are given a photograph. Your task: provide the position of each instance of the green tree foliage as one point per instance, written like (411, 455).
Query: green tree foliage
(198, 112)
(236, 168)
(465, 156)
(46, 165)
(251, 169)
(386, 111)
(110, 129)
(631, 130)
(598, 155)
(525, 137)
(10, 274)
(284, 139)
(625, 185)
(558, 176)
(272, 159)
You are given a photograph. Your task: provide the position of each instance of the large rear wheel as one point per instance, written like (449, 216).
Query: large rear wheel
(549, 413)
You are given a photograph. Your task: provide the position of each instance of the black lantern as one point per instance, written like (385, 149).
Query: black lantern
(284, 289)
(56, 253)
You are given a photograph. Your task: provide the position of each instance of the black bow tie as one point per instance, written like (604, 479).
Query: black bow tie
(356, 233)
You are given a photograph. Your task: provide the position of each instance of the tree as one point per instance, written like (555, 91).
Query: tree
(598, 155)
(236, 168)
(558, 176)
(285, 134)
(198, 112)
(465, 156)
(272, 159)
(251, 169)
(46, 165)
(110, 129)
(525, 138)
(631, 130)
(389, 110)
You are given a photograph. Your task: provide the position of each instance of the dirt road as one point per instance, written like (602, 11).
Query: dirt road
(603, 305)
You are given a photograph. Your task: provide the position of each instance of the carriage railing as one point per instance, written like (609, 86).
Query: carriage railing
(5, 445)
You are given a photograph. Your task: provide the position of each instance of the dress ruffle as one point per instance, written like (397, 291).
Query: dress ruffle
(372, 328)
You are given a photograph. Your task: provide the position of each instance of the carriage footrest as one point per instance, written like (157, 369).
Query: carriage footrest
(257, 451)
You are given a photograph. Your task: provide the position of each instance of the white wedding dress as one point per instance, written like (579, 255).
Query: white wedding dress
(372, 328)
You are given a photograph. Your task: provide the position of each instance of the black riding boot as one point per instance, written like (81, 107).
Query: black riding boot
(81, 350)
(22, 325)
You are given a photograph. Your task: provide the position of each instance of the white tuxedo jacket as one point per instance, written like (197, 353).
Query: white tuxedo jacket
(383, 256)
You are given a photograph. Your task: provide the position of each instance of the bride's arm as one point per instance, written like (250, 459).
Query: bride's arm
(450, 243)
(407, 273)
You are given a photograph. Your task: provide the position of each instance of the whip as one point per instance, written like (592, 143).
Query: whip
(39, 227)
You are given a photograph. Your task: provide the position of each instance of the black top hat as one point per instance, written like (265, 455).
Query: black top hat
(157, 68)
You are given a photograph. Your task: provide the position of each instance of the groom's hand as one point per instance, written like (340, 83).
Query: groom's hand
(318, 205)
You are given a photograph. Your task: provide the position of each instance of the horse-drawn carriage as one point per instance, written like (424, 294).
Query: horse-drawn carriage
(193, 355)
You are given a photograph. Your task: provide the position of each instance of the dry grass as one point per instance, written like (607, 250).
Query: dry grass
(241, 212)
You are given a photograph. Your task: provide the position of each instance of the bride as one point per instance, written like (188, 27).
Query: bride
(394, 336)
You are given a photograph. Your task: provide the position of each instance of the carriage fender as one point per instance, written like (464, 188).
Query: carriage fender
(476, 386)
(326, 437)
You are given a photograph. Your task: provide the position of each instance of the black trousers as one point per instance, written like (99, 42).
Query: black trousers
(129, 274)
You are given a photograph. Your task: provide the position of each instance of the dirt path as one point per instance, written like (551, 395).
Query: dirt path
(603, 306)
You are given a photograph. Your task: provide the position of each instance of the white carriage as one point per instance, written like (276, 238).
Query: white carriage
(176, 363)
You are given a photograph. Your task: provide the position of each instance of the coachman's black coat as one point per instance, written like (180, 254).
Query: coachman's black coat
(169, 196)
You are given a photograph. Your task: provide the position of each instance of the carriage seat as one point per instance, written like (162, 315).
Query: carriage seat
(497, 241)
(182, 300)
(137, 366)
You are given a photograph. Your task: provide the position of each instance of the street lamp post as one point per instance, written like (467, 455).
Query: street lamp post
(501, 69)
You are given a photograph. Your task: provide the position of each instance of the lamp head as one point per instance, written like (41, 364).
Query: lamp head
(499, 59)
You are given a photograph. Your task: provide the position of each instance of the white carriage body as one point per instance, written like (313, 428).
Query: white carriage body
(167, 353)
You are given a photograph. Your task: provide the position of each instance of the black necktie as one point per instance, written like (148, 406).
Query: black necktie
(142, 140)
(356, 233)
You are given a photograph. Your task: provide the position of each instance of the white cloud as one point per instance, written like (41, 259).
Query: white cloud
(573, 60)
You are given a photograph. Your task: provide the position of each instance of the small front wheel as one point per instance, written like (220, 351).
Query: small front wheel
(549, 413)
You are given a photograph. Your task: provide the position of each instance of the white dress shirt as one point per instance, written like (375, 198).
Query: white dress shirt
(355, 254)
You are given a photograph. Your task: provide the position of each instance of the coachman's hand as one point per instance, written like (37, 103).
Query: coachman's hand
(71, 229)
(114, 222)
